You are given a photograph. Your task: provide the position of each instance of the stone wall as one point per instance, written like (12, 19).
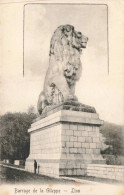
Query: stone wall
(80, 141)
(106, 171)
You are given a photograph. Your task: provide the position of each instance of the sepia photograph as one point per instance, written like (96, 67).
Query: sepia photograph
(61, 97)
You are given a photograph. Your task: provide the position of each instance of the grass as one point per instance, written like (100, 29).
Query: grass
(14, 176)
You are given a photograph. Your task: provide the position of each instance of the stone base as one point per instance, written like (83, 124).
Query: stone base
(68, 105)
(64, 142)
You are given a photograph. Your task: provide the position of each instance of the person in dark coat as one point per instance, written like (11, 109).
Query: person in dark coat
(35, 166)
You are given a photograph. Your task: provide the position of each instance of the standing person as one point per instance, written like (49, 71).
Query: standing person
(35, 166)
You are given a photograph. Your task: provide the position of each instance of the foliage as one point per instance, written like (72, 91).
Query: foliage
(113, 159)
(14, 137)
(114, 135)
(31, 110)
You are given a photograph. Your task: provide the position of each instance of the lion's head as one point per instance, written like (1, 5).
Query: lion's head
(66, 34)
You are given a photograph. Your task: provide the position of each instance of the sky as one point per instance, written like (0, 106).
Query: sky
(95, 88)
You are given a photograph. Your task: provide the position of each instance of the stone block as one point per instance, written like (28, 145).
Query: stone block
(62, 165)
(98, 145)
(87, 156)
(65, 150)
(83, 166)
(81, 127)
(69, 144)
(81, 139)
(73, 127)
(92, 145)
(81, 150)
(88, 139)
(113, 177)
(68, 132)
(70, 165)
(85, 145)
(63, 172)
(73, 150)
(92, 134)
(73, 138)
(96, 140)
(65, 126)
(63, 144)
(77, 144)
(98, 134)
(78, 156)
(89, 151)
(96, 129)
(89, 128)
(70, 156)
(80, 171)
(74, 171)
(96, 151)
(118, 178)
(77, 165)
(77, 133)
(65, 138)
(85, 133)
(69, 172)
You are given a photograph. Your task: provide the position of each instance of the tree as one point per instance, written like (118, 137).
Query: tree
(15, 140)
(31, 110)
(114, 135)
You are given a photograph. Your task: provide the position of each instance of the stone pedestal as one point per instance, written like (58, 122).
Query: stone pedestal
(64, 142)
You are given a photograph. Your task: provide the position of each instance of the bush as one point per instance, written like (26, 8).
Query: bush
(113, 160)
(114, 135)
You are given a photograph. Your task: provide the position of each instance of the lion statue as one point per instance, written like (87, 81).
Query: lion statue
(64, 69)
